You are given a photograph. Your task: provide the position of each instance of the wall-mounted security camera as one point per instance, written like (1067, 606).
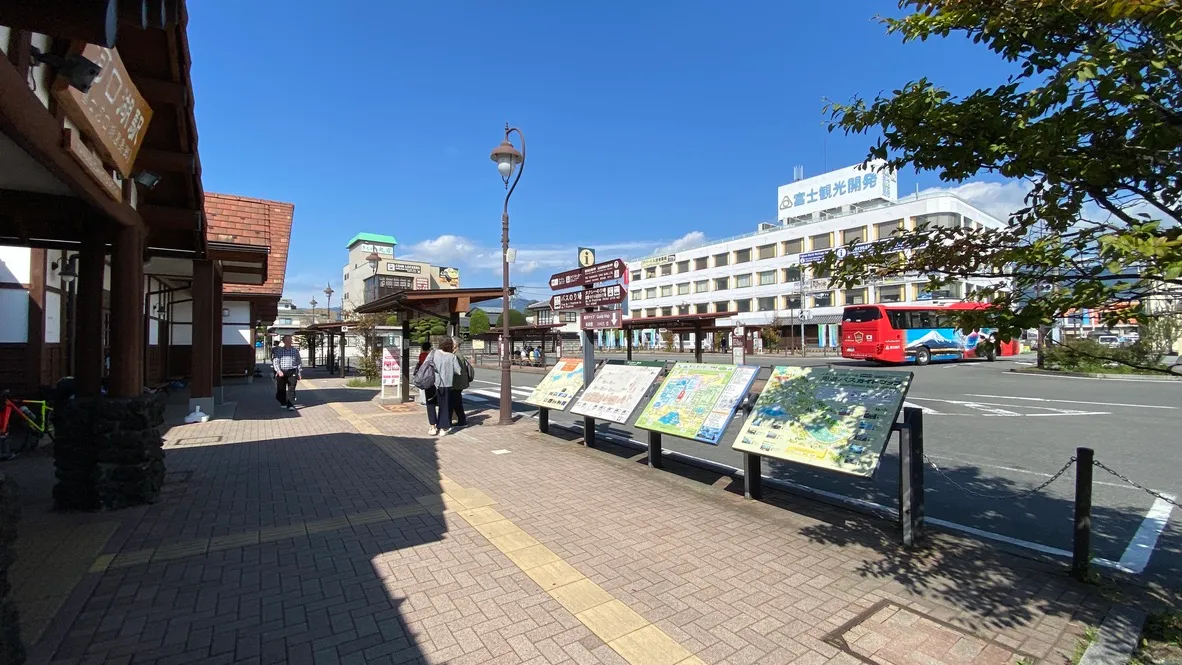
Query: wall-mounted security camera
(78, 70)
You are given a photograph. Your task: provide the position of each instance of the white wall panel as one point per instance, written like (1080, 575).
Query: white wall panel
(14, 316)
(14, 264)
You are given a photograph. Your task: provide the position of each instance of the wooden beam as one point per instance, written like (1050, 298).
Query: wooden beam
(36, 207)
(134, 14)
(92, 21)
(245, 270)
(170, 218)
(157, 91)
(166, 161)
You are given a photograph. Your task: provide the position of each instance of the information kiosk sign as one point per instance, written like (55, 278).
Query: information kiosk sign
(697, 400)
(836, 419)
(617, 390)
(560, 386)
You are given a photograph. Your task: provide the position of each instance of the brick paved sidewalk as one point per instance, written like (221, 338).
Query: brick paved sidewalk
(343, 533)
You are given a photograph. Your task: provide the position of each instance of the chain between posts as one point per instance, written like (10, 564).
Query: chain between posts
(1013, 495)
(1156, 495)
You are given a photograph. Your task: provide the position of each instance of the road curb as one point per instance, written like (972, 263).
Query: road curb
(1093, 375)
(1117, 638)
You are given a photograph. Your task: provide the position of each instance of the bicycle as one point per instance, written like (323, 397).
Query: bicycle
(34, 418)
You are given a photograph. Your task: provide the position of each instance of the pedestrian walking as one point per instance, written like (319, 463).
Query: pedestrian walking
(461, 383)
(424, 351)
(444, 367)
(287, 365)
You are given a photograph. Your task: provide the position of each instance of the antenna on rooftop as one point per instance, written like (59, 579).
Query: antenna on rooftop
(798, 172)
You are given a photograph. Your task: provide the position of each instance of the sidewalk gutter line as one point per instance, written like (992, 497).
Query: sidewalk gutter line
(1144, 542)
(1117, 638)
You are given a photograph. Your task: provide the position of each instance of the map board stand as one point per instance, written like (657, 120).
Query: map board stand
(588, 376)
(544, 420)
(654, 450)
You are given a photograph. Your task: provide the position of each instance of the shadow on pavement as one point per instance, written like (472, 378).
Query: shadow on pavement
(285, 549)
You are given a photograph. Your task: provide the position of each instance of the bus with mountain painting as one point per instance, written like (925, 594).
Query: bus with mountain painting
(916, 332)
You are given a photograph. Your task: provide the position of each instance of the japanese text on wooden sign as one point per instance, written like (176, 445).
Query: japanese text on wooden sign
(600, 272)
(587, 298)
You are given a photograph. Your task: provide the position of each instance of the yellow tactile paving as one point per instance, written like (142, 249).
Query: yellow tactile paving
(624, 630)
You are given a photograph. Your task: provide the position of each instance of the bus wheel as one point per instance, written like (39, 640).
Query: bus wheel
(923, 356)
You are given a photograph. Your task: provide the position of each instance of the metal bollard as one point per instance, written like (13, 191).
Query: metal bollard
(1082, 540)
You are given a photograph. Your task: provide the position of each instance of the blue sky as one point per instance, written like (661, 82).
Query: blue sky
(646, 123)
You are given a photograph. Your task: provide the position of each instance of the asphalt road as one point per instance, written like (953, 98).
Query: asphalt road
(995, 435)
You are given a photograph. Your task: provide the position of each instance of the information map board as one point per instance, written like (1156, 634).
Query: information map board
(617, 389)
(560, 386)
(697, 400)
(836, 419)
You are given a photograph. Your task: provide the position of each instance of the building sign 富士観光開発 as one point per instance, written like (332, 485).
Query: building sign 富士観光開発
(836, 419)
(851, 185)
(112, 114)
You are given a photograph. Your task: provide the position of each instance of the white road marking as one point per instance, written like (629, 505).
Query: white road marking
(1071, 401)
(995, 410)
(1163, 381)
(926, 410)
(866, 505)
(502, 451)
(1136, 555)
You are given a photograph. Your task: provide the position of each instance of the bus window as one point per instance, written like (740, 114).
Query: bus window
(898, 319)
(860, 314)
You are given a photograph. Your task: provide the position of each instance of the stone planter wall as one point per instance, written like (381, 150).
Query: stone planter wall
(108, 452)
(12, 650)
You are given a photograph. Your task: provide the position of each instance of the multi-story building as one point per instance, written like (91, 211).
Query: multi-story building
(767, 278)
(363, 283)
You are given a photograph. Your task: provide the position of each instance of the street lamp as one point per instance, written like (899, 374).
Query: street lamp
(372, 260)
(508, 158)
(328, 302)
(313, 302)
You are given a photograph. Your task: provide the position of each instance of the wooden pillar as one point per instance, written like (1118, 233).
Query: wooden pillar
(628, 341)
(88, 308)
(218, 327)
(127, 298)
(201, 386)
(342, 361)
(697, 341)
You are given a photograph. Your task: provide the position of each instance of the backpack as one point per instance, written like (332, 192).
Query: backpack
(466, 375)
(425, 374)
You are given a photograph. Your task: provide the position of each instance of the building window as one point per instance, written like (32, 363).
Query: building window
(666, 290)
(855, 296)
(722, 306)
(666, 311)
(767, 251)
(650, 292)
(636, 295)
(569, 317)
(821, 241)
(682, 266)
(890, 293)
(823, 300)
(792, 246)
(683, 289)
(651, 312)
(939, 220)
(701, 286)
(887, 229)
(722, 283)
(682, 309)
(792, 274)
(721, 259)
(635, 275)
(650, 272)
(702, 263)
(853, 235)
(743, 305)
(766, 304)
(742, 281)
(636, 314)
(667, 270)
(791, 302)
(702, 308)
(767, 277)
(742, 255)
(285, 322)
(545, 316)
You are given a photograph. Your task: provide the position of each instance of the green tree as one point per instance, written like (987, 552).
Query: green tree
(478, 322)
(516, 318)
(1090, 119)
(365, 328)
(422, 329)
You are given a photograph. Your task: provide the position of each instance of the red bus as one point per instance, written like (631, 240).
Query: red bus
(915, 332)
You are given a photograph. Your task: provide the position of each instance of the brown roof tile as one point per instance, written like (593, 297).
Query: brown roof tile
(249, 221)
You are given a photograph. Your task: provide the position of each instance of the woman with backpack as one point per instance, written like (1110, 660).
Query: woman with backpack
(424, 351)
(439, 370)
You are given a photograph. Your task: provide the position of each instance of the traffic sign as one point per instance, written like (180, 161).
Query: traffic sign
(599, 272)
(587, 298)
(606, 319)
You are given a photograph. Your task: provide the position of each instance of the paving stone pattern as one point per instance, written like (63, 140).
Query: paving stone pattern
(343, 533)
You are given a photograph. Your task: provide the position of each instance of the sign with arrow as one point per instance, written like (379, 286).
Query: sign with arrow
(599, 272)
(587, 298)
(607, 319)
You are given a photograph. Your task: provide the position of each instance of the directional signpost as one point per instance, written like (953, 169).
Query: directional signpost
(587, 299)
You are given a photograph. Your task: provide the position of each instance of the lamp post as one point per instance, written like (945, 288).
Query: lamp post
(328, 302)
(68, 273)
(508, 158)
(313, 303)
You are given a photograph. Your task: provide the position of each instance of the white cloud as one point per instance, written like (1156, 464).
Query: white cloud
(1000, 199)
(687, 241)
